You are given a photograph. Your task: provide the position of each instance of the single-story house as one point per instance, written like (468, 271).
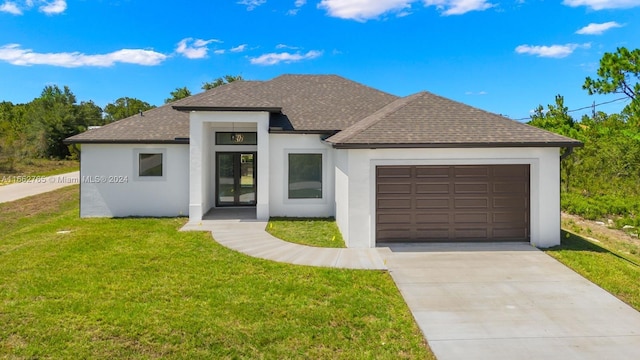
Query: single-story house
(420, 168)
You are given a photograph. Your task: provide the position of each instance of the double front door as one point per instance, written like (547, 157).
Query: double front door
(235, 179)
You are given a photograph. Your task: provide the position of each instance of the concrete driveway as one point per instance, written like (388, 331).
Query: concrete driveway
(24, 186)
(509, 301)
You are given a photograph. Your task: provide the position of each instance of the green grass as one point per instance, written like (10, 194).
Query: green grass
(38, 167)
(320, 232)
(138, 288)
(617, 273)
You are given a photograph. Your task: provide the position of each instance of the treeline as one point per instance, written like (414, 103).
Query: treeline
(37, 129)
(602, 179)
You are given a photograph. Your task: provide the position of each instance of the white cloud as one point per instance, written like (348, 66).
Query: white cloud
(239, 48)
(362, 10)
(53, 7)
(219, 52)
(459, 7)
(598, 29)
(476, 93)
(603, 4)
(16, 55)
(276, 58)
(49, 7)
(194, 49)
(11, 8)
(283, 46)
(553, 51)
(251, 4)
(298, 4)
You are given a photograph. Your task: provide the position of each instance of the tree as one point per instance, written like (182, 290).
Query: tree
(557, 119)
(619, 73)
(177, 94)
(125, 107)
(221, 81)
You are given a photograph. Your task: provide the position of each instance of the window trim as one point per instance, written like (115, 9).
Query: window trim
(136, 164)
(323, 154)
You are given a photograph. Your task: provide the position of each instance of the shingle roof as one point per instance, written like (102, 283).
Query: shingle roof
(159, 125)
(428, 120)
(310, 102)
(328, 103)
(307, 102)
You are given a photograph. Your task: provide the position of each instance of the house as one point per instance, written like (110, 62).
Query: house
(416, 168)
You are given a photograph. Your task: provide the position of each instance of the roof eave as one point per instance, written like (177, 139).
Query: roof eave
(126, 141)
(189, 108)
(274, 130)
(567, 144)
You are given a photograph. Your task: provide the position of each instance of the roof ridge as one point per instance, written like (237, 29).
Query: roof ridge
(375, 118)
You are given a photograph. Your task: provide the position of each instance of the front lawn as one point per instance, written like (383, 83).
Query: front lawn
(138, 288)
(320, 232)
(36, 167)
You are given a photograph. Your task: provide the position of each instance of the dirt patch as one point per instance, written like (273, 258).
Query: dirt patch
(615, 239)
(39, 204)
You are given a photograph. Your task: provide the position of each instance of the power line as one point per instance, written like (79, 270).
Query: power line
(592, 106)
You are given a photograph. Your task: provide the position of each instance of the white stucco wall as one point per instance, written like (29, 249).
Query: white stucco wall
(356, 172)
(342, 192)
(279, 204)
(110, 186)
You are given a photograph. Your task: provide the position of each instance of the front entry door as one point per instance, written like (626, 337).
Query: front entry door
(235, 179)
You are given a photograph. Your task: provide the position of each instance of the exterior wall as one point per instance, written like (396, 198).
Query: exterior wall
(202, 157)
(356, 218)
(279, 204)
(342, 193)
(110, 186)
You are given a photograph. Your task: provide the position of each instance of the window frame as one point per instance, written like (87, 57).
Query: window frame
(323, 175)
(136, 164)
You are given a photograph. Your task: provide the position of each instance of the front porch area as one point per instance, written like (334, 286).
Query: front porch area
(231, 213)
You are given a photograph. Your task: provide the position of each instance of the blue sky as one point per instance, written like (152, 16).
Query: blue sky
(504, 56)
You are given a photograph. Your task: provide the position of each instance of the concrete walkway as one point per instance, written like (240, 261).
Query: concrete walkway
(22, 187)
(475, 301)
(249, 237)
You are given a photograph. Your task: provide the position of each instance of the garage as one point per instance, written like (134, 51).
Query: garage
(452, 203)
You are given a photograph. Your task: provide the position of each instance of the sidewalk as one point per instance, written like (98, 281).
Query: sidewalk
(24, 186)
(249, 237)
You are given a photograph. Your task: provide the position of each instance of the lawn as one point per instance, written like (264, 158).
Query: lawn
(37, 167)
(320, 232)
(618, 273)
(138, 288)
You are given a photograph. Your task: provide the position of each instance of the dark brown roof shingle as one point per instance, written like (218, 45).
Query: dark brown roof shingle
(428, 120)
(328, 103)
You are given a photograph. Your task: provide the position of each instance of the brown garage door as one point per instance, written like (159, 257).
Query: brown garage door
(452, 203)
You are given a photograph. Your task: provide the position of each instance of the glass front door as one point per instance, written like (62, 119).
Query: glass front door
(235, 179)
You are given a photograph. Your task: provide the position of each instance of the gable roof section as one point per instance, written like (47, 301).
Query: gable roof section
(428, 120)
(310, 102)
(158, 125)
(368, 118)
(307, 103)
(155, 126)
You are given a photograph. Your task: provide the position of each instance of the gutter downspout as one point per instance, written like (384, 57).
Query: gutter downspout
(567, 152)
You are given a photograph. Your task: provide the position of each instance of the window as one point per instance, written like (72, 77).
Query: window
(305, 176)
(236, 138)
(150, 164)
